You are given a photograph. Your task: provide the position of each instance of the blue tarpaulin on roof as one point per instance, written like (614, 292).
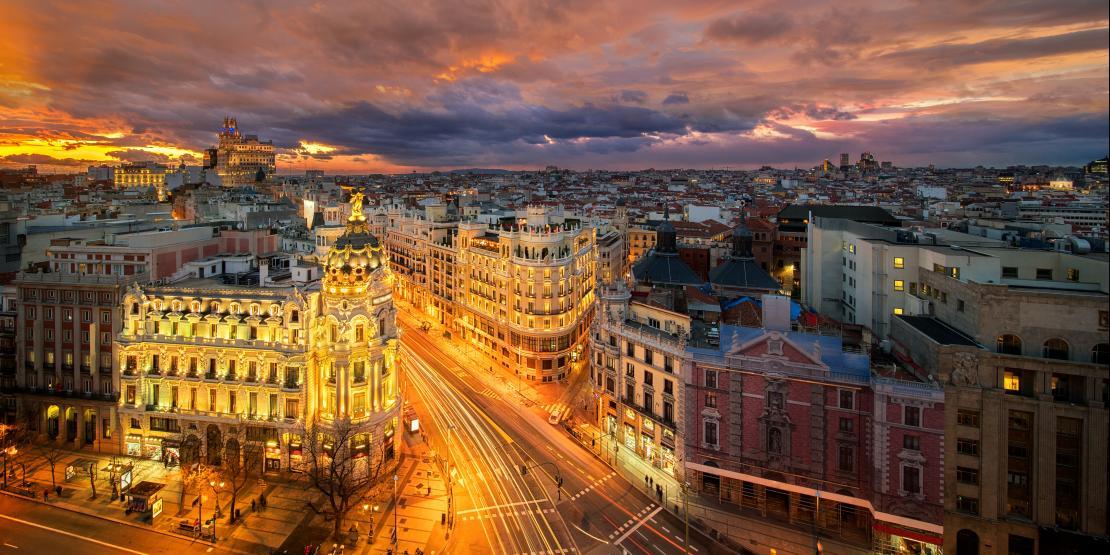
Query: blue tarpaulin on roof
(795, 308)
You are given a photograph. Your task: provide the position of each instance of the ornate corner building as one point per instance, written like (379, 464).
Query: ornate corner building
(242, 358)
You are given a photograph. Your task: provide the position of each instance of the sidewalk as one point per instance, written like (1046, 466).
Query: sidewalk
(254, 533)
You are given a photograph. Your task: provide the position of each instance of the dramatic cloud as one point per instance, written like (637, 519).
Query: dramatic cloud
(424, 84)
(676, 98)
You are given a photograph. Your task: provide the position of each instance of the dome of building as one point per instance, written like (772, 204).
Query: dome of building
(356, 257)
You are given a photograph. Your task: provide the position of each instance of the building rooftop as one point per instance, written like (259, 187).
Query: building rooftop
(939, 331)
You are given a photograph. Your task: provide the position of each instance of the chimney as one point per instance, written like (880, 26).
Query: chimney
(263, 271)
(776, 313)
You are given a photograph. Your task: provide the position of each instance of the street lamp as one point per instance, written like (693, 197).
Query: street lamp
(216, 486)
(8, 454)
(686, 512)
(450, 481)
(395, 507)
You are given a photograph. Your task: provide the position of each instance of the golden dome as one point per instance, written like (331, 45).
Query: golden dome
(356, 257)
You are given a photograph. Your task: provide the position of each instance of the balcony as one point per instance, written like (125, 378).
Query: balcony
(290, 386)
(105, 370)
(63, 393)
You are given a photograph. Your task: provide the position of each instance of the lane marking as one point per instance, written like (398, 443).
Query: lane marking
(637, 525)
(6, 544)
(72, 535)
(506, 505)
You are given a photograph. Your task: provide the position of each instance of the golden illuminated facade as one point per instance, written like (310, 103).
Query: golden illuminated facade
(204, 363)
(521, 290)
(527, 287)
(142, 175)
(239, 158)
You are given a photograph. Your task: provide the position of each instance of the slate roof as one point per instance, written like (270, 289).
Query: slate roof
(939, 331)
(743, 273)
(666, 269)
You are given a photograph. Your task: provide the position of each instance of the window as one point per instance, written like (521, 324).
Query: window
(1044, 273)
(711, 379)
(711, 433)
(710, 400)
(1100, 354)
(968, 447)
(774, 440)
(911, 480)
(847, 399)
(1011, 381)
(1009, 272)
(1008, 344)
(969, 418)
(898, 311)
(967, 505)
(899, 262)
(1073, 274)
(846, 424)
(846, 458)
(899, 285)
(1056, 348)
(911, 416)
(965, 475)
(959, 305)
(911, 442)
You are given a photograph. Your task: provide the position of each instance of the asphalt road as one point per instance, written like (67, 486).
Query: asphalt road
(27, 527)
(595, 511)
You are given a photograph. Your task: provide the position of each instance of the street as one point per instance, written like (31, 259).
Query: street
(594, 512)
(22, 531)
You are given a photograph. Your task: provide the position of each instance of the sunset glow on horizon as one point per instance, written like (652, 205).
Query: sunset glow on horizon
(421, 85)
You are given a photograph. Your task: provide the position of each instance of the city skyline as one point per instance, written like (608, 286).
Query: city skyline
(619, 86)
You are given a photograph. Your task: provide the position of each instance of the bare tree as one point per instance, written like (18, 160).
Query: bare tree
(52, 453)
(91, 471)
(242, 461)
(343, 465)
(13, 442)
(194, 475)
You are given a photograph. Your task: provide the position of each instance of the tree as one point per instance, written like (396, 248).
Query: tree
(13, 440)
(344, 465)
(91, 471)
(52, 454)
(241, 462)
(194, 475)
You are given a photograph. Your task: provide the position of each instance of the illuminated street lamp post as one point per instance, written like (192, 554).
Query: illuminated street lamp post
(395, 521)
(216, 486)
(8, 454)
(450, 482)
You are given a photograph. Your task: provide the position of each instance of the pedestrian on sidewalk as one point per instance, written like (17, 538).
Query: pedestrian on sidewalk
(262, 501)
(252, 505)
(45, 495)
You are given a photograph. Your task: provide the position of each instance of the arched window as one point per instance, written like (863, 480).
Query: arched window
(1008, 344)
(1056, 348)
(967, 543)
(1100, 354)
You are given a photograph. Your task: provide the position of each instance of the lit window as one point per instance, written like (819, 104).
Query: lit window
(1012, 381)
(899, 285)
(852, 249)
(898, 312)
(899, 262)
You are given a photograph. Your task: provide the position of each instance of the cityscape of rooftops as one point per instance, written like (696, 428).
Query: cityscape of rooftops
(529, 277)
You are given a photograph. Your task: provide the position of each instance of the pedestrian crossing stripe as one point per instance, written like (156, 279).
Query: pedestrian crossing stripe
(593, 485)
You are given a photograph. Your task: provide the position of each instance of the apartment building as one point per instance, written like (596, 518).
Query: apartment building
(520, 288)
(1023, 355)
(862, 273)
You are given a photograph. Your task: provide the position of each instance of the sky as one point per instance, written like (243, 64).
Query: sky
(415, 85)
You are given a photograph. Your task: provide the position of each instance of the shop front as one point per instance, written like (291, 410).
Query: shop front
(296, 450)
(171, 453)
(273, 456)
(134, 445)
(152, 448)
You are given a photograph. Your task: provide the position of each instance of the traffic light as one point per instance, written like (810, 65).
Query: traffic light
(559, 481)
